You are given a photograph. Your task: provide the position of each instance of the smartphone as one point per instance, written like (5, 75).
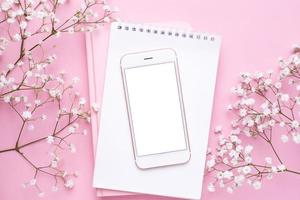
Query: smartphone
(155, 108)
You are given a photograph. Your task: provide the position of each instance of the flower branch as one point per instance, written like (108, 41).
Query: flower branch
(27, 87)
(266, 105)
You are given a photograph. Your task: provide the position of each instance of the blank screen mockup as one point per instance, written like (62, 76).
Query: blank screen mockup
(155, 109)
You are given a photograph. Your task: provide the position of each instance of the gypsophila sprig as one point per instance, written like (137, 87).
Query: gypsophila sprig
(27, 86)
(267, 106)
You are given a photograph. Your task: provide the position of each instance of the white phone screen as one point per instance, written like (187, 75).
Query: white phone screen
(155, 108)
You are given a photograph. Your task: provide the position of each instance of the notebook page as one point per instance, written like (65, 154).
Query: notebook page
(197, 61)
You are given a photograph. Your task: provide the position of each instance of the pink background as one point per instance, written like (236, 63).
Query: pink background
(255, 33)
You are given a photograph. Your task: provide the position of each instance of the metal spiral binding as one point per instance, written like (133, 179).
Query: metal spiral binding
(158, 31)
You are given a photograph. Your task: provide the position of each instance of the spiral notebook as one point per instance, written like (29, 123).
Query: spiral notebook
(96, 65)
(197, 55)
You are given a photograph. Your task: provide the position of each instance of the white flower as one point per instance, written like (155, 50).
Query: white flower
(233, 154)
(275, 110)
(246, 169)
(234, 123)
(106, 19)
(54, 93)
(248, 159)
(37, 102)
(227, 174)
(218, 129)
(278, 85)
(106, 7)
(54, 163)
(243, 112)
(239, 179)
(219, 175)
(17, 37)
(76, 125)
(64, 173)
(284, 138)
(297, 100)
(229, 107)
(50, 139)
(29, 73)
(229, 190)
(26, 114)
(82, 101)
(40, 14)
(257, 185)
(75, 80)
(10, 66)
(239, 148)
(72, 148)
(268, 160)
(258, 75)
(296, 138)
(268, 82)
(211, 187)
(71, 30)
(284, 97)
(225, 161)
(222, 140)
(23, 25)
(284, 72)
(210, 163)
(75, 111)
(61, 1)
(267, 111)
(72, 129)
(295, 124)
(32, 182)
(281, 167)
(44, 117)
(6, 5)
(238, 91)
(229, 145)
(10, 20)
(24, 185)
(281, 124)
(95, 107)
(274, 169)
(69, 184)
(235, 131)
(30, 127)
(248, 149)
(269, 176)
(272, 122)
(7, 98)
(17, 99)
(248, 102)
(41, 194)
(233, 138)
(234, 161)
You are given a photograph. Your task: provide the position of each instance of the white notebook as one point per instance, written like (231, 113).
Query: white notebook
(197, 57)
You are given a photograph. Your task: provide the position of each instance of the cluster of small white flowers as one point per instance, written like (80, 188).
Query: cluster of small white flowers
(26, 84)
(263, 103)
(230, 152)
(3, 44)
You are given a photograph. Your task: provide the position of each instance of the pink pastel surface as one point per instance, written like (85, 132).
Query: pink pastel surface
(255, 33)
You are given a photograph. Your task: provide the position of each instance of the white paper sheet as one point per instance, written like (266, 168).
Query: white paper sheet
(197, 61)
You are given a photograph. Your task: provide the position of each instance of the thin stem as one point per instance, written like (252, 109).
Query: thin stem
(20, 133)
(7, 150)
(275, 152)
(292, 171)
